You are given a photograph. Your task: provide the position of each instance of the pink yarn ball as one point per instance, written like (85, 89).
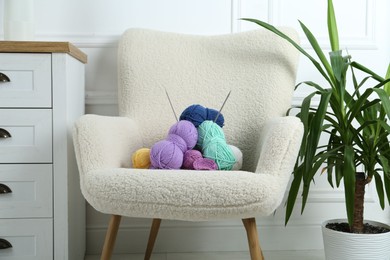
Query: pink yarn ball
(186, 130)
(166, 155)
(189, 157)
(205, 164)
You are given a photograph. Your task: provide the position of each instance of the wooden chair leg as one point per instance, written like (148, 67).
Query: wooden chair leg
(152, 237)
(253, 239)
(109, 241)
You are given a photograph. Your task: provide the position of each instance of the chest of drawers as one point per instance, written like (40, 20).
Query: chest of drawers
(42, 212)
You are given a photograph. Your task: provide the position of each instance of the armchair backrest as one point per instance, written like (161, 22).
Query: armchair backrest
(257, 66)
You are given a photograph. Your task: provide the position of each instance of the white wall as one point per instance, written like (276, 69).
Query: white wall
(95, 26)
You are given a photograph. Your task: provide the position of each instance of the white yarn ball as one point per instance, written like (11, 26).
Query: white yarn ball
(238, 155)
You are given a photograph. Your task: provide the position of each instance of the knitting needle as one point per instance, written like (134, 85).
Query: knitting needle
(173, 110)
(219, 112)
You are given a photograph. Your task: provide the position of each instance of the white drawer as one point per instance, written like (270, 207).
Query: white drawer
(31, 239)
(27, 190)
(30, 80)
(31, 136)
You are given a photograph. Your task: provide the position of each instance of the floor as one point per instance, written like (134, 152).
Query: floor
(268, 255)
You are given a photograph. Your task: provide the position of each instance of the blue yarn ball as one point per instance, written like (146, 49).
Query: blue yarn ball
(197, 114)
(212, 114)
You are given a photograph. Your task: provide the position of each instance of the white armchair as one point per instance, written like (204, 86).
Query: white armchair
(258, 67)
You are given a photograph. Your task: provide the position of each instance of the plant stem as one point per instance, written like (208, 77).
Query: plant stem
(360, 184)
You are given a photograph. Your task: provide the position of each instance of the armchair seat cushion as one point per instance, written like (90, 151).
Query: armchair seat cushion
(183, 194)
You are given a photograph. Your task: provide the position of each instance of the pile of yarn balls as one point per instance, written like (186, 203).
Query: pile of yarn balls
(195, 142)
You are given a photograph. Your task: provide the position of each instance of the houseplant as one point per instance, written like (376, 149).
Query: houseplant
(353, 116)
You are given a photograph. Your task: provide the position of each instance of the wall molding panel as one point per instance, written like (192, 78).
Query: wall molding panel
(362, 26)
(236, 15)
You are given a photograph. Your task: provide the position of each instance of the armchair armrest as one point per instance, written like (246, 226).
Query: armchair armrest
(279, 146)
(103, 142)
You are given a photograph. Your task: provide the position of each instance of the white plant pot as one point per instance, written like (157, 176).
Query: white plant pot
(348, 246)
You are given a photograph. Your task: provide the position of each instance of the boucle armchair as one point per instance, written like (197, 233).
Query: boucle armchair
(259, 69)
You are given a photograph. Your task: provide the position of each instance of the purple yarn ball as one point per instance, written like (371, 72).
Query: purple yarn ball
(178, 141)
(186, 130)
(197, 114)
(166, 155)
(189, 157)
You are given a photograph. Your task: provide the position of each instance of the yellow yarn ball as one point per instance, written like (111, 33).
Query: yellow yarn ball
(141, 158)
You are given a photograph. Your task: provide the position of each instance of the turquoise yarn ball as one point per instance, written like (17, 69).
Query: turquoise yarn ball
(208, 131)
(212, 141)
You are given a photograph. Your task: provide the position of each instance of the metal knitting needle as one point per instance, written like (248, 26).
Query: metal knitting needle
(173, 110)
(219, 112)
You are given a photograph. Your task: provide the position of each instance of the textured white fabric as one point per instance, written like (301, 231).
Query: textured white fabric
(260, 70)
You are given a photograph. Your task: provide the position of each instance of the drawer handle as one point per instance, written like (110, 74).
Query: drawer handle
(4, 244)
(4, 189)
(4, 78)
(4, 134)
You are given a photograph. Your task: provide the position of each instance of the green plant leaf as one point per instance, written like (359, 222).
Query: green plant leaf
(305, 110)
(316, 127)
(349, 171)
(329, 170)
(367, 124)
(357, 106)
(334, 162)
(311, 84)
(338, 169)
(386, 180)
(386, 170)
(338, 65)
(379, 189)
(387, 85)
(331, 160)
(293, 192)
(366, 70)
(312, 143)
(332, 27)
(316, 47)
(310, 175)
(386, 128)
(385, 100)
(385, 165)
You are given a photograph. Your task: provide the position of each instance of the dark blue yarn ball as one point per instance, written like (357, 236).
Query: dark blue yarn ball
(197, 114)
(212, 114)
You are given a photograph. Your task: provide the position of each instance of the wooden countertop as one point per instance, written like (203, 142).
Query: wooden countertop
(43, 47)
